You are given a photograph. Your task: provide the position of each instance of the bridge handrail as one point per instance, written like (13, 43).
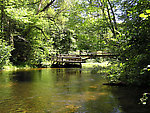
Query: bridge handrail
(84, 52)
(64, 58)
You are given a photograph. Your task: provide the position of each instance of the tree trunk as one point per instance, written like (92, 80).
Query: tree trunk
(110, 20)
(102, 5)
(2, 16)
(113, 14)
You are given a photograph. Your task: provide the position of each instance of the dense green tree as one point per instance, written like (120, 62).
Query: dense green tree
(23, 26)
(135, 54)
(134, 43)
(5, 53)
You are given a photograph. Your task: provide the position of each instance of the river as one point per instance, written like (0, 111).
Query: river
(65, 91)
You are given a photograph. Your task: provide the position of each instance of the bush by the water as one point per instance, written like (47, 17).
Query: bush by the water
(5, 53)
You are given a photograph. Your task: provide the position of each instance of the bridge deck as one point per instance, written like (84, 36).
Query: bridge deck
(102, 55)
(67, 58)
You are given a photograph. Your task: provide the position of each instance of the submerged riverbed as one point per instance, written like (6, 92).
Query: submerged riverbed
(65, 91)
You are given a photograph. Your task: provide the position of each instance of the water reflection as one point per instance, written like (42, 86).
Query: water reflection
(26, 76)
(64, 91)
(128, 99)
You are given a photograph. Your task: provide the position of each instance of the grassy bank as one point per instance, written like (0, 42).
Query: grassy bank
(84, 65)
(13, 68)
(92, 65)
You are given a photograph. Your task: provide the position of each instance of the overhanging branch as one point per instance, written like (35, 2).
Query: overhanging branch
(41, 31)
(47, 6)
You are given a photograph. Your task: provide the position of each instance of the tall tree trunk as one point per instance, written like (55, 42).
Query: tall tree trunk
(102, 5)
(110, 16)
(113, 14)
(2, 16)
(110, 20)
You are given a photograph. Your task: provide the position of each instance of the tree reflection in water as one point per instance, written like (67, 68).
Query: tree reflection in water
(65, 91)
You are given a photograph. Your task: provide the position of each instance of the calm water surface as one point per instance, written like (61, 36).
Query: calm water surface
(65, 91)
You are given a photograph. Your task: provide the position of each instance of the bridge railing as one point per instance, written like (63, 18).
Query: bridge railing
(67, 59)
(82, 52)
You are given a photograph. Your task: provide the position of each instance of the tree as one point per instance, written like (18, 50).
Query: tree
(134, 49)
(5, 53)
(22, 28)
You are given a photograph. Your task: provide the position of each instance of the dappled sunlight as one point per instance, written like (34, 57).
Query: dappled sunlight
(7, 85)
(74, 56)
(56, 91)
(93, 87)
(72, 108)
(50, 90)
(102, 94)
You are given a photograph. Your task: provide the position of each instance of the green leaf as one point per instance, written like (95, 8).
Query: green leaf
(143, 15)
(148, 11)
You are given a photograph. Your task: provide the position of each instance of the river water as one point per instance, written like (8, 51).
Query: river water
(65, 91)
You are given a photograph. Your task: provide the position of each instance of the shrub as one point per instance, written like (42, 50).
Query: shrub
(5, 53)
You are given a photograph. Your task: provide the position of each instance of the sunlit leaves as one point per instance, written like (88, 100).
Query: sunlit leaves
(21, 14)
(132, 43)
(143, 15)
(51, 12)
(144, 99)
(5, 53)
(148, 11)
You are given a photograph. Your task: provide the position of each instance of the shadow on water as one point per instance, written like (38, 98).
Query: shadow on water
(65, 74)
(65, 91)
(129, 99)
(26, 76)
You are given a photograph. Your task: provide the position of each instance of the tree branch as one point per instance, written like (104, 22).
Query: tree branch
(102, 5)
(41, 31)
(113, 14)
(110, 20)
(59, 12)
(47, 6)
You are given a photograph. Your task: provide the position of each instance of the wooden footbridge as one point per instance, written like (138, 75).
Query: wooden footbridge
(62, 59)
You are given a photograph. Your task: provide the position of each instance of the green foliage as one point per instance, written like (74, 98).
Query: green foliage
(145, 15)
(145, 98)
(37, 27)
(5, 53)
(133, 44)
(24, 30)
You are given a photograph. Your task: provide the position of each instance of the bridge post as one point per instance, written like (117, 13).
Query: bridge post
(80, 62)
(79, 52)
(62, 58)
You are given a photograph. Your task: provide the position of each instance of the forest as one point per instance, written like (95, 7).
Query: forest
(32, 30)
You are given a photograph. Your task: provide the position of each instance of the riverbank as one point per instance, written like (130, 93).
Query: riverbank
(13, 68)
(84, 65)
(92, 65)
